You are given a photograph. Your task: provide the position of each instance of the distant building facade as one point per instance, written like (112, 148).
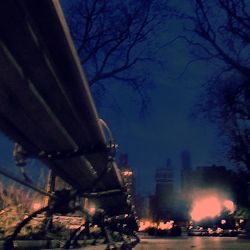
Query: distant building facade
(127, 174)
(164, 192)
(142, 205)
(186, 170)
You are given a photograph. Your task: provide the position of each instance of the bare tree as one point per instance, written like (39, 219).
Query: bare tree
(227, 103)
(113, 40)
(219, 31)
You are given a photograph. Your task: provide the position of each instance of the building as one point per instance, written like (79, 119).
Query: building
(164, 192)
(127, 174)
(185, 160)
(211, 177)
(186, 170)
(143, 208)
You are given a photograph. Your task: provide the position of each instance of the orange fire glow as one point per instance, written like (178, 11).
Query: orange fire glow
(165, 225)
(92, 209)
(207, 207)
(145, 224)
(210, 206)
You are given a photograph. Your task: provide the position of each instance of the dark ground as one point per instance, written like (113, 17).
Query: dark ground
(185, 243)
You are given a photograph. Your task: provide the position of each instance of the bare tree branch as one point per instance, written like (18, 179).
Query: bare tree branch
(111, 37)
(220, 29)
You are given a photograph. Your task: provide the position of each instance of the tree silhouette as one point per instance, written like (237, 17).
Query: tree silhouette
(219, 31)
(114, 39)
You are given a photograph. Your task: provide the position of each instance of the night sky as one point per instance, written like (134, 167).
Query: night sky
(167, 128)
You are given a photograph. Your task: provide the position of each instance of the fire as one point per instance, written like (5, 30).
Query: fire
(166, 225)
(208, 207)
(145, 224)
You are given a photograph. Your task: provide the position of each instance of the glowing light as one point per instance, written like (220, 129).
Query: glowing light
(36, 205)
(229, 205)
(223, 222)
(144, 225)
(208, 207)
(127, 173)
(166, 225)
(92, 210)
(219, 230)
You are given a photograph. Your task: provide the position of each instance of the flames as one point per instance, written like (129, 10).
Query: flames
(165, 225)
(210, 207)
(146, 224)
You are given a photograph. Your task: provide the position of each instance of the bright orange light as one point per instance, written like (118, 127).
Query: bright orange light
(143, 225)
(92, 210)
(229, 205)
(208, 207)
(165, 225)
(127, 173)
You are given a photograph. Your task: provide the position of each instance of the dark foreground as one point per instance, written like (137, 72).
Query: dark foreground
(180, 243)
(184, 243)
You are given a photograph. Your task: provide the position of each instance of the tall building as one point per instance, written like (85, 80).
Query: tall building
(127, 173)
(164, 192)
(185, 160)
(143, 209)
(186, 170)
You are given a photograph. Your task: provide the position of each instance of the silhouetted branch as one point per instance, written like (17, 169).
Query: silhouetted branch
(111, 36)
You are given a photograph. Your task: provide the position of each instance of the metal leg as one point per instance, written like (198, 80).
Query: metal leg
(8, 244)
(49, 188)
(72, 241)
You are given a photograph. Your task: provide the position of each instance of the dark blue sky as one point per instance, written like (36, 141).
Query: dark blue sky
(167, 129)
